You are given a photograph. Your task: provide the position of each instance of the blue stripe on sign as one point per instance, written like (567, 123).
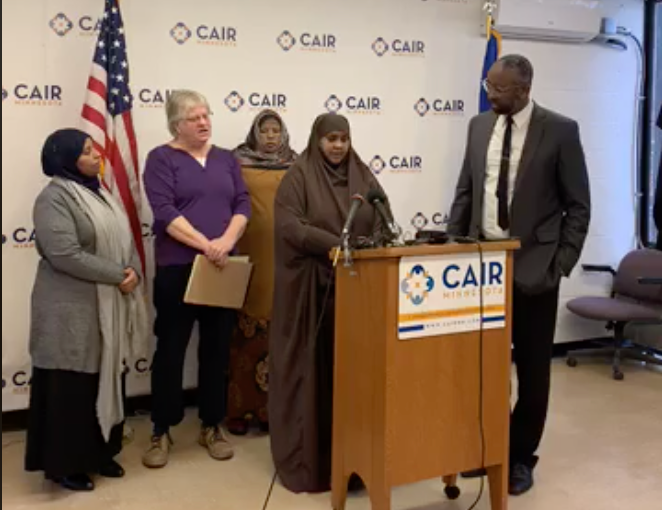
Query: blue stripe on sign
(501, 318)
(411, 329)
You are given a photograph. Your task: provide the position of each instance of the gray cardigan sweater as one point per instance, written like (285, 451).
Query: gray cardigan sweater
(65, 332)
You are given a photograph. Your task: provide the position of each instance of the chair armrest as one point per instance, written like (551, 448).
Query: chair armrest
(651, 281)
(593, 268)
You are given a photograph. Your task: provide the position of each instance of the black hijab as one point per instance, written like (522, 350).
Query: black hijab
(340, 181)
(325, 124)
(60, 155)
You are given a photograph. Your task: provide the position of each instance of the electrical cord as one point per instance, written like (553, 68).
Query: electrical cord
(640, 96)
(271, 490)
(318, 327)
(481, 365)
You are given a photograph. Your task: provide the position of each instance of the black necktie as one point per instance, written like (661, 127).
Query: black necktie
(504, 176)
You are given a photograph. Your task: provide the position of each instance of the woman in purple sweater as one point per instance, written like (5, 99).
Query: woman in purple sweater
(201, 206)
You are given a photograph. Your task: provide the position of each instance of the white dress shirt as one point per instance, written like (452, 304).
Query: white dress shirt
(521, 121)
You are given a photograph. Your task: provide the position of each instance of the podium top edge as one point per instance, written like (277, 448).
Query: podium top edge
(424, 250)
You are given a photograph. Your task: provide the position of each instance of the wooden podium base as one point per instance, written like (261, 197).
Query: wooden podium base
(380, 497)
(406, 411)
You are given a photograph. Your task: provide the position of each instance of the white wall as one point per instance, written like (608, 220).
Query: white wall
(591, 84)
(596, 86)
(656, 104)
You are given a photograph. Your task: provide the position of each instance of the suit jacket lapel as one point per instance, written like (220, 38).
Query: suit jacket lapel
(533, 139)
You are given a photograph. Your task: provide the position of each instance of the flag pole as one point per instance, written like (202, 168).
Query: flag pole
(489, 8)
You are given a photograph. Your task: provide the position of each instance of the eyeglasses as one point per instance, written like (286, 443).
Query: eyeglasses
(194, 120)
(488, 87)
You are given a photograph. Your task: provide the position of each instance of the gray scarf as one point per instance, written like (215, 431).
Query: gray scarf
(122, 318)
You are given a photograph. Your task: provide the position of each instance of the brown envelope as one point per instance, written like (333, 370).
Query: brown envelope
(210, 285)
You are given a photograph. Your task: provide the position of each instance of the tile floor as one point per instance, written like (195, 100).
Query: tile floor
(603, 451)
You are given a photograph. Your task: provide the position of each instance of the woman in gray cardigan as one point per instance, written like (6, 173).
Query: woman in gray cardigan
(86, 310)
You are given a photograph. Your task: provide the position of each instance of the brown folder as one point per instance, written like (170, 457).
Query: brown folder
(225, 287)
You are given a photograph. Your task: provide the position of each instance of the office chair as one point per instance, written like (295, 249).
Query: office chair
(636, 299)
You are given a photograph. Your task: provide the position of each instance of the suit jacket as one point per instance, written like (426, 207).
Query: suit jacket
(551, 207)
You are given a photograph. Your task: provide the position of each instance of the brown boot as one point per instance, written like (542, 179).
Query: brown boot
(157, 455)
(217, 443)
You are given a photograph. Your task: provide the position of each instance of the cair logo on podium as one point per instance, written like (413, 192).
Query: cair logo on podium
(417, 285)
(449, 294)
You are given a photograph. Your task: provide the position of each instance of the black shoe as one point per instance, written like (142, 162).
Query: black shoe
(521, 479)
(475, 473)
(112, 470)
(238, 427)
(76, 483)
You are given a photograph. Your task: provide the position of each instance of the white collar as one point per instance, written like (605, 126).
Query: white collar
(522, 118)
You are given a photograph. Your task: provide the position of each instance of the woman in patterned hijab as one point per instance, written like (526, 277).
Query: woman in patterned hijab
(265, 159)
(267, 145)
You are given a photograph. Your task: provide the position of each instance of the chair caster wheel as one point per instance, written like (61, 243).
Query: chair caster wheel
(452, 492)
(618, 375)
(572, 362)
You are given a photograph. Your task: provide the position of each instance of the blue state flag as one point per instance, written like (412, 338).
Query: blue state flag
(492, 54)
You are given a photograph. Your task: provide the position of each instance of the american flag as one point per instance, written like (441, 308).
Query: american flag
(107, 118)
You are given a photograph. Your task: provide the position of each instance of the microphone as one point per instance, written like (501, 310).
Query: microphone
(357, 201)
(378, 199)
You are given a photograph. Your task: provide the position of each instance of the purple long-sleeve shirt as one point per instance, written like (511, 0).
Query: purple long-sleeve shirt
(208, 197)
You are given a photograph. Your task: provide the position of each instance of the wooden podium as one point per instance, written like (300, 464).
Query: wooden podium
(409, 410)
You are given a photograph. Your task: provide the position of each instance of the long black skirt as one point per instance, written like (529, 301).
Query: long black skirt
(64, 437)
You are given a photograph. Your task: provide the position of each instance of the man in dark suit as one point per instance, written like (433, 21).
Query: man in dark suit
(525, 176)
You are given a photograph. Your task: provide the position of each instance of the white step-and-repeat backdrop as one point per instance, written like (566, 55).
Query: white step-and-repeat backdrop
(405, 72)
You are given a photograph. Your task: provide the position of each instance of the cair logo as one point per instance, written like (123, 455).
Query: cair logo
(256, 101)
(22, 238)
(142, 368)
(397, 164)
(359, 105)
(420, 221)
(313, 42)
(153, 98)
(28, 94)
(446, 107)
(417, 285)
(399, 48)
(207, 35)
(461, 277)
(19, 383)
(88, 25)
